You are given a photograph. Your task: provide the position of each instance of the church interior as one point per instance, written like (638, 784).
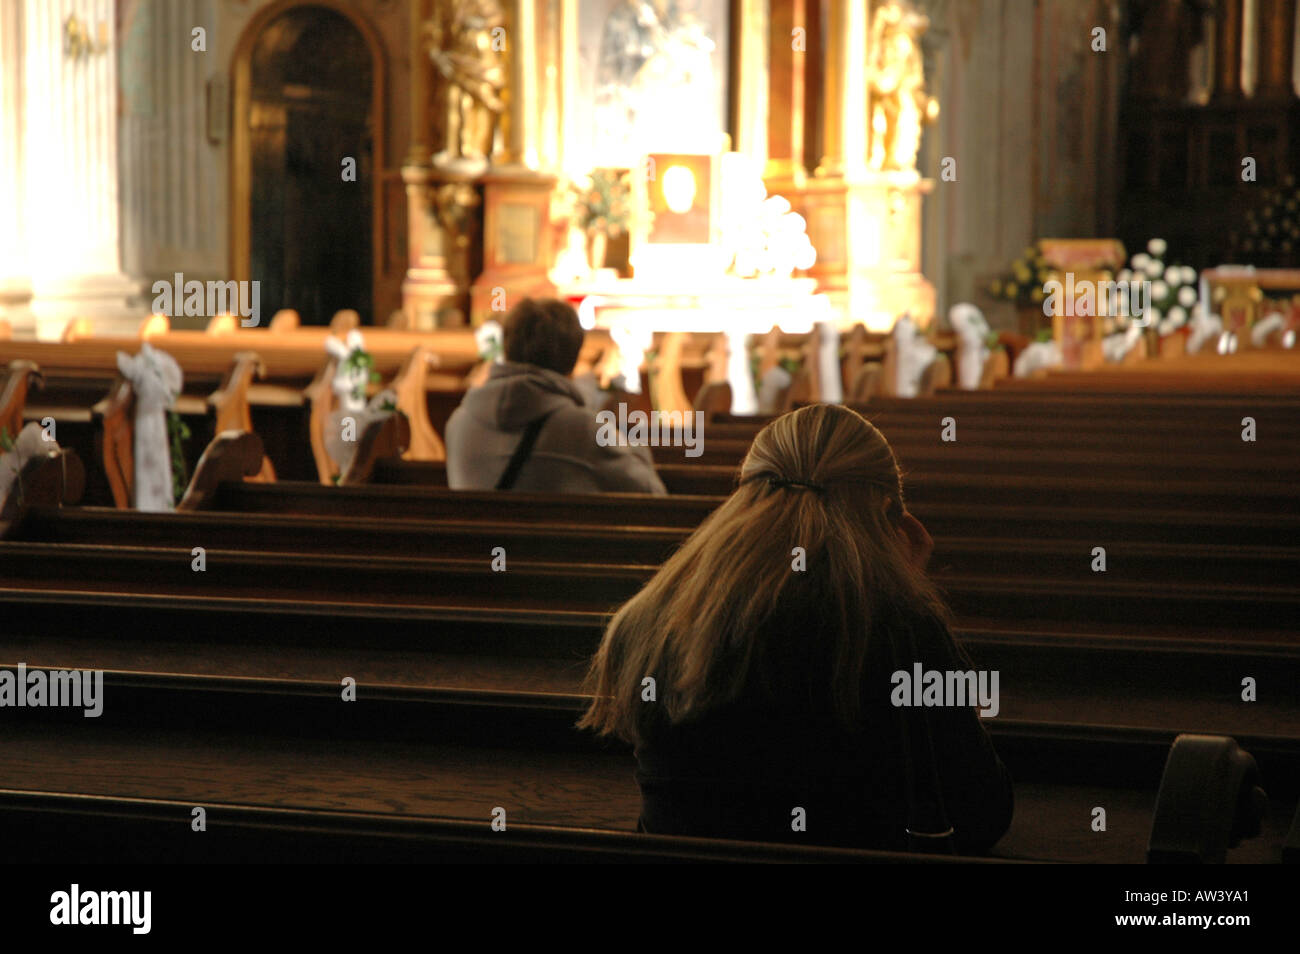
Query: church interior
(258, 256)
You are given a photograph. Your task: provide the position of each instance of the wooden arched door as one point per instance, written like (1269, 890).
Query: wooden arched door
(309, 155)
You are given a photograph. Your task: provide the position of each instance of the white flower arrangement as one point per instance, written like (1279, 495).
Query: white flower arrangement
(1174, 293)
(775, 243)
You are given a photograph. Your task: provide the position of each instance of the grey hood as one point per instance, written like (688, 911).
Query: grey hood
(569, 455)
(516, 394)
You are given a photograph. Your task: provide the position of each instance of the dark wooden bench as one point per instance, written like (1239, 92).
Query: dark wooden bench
(1093, 597)
(78, 829)
(1015, 554)
(472, 752)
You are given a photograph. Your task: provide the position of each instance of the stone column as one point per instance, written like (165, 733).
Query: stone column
(173, 185)
(70, 171)
(15, 288)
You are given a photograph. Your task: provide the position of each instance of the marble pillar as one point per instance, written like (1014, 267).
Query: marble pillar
(15, 288)
(173, 179)
(70, 171)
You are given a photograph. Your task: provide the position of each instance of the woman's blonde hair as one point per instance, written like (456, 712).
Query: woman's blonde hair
(821, 478)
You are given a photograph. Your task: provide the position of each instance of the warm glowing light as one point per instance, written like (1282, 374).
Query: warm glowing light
(679, 189)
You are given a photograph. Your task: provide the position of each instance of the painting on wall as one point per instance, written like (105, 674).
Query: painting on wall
(653, 78)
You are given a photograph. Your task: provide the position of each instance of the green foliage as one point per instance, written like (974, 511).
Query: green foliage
(605, 205)
(360, 360)
(6, 440)
(179, 432)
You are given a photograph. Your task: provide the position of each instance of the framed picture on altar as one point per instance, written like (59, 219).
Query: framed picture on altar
(681, 198)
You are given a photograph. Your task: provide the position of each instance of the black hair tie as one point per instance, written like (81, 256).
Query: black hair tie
(782, 482)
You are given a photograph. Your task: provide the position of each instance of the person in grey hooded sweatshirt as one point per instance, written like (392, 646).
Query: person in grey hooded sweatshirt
(526, 428)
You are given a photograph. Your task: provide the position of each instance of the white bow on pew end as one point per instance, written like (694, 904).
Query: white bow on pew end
(1037, 357)
(156, 381)
(972, 331)
(912, 354)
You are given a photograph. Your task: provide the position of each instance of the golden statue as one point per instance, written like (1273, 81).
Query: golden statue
(899, 103)
(467, 45)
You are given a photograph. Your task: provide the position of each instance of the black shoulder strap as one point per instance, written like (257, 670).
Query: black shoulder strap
(522, 452)
(928, 828)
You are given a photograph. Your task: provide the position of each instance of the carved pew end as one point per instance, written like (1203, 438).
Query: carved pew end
(232, 456)
(714, 399)
(285, 320)
(51, 480)
(1209, 800)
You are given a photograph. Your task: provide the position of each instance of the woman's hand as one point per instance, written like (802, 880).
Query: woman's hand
(916, 540)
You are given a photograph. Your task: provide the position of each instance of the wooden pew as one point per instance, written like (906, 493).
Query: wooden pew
(977, 487)
(229, 405)
(461, 533)
(1265, 371)
(1109, 599)
(1045, 676)
(1008, 738)
(1014, 554)
(396, 502)
(379, 438)
(52, 480)
(88, 830)
(291, 359)
(542, 756)
(232, 454)
(1103, 749)
(19, 377)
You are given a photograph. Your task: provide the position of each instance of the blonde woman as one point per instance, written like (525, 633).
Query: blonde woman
(772, 638)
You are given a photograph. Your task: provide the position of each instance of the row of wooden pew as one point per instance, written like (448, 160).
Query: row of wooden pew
(276, 383)
(468, 679)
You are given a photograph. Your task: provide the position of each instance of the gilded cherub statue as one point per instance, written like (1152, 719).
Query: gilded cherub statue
(899, 103)
(467, 45)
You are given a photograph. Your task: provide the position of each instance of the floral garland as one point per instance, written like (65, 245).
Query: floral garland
(179, 432)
